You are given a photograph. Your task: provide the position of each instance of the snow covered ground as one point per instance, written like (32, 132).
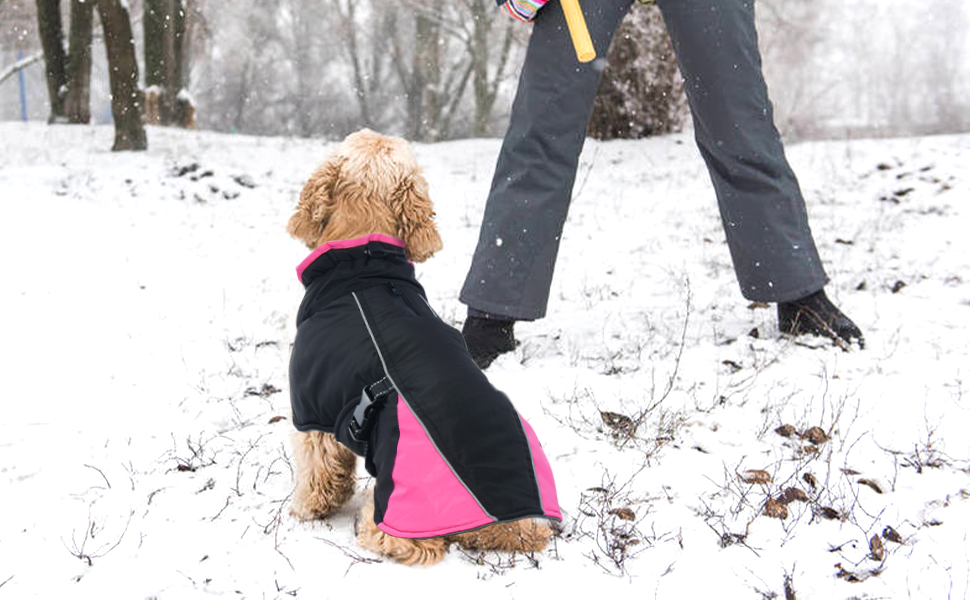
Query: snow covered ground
(147, 311)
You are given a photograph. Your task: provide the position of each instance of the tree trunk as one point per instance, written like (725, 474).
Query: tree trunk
(164, 34)
(126, 97)
(421, 78)
(428, 63)
(413, 84)
(52, 41)
(454, 48)
(157, 107)
(486, 88)
(178, 72)
(346, 14)
(77, 102)
(153, 28)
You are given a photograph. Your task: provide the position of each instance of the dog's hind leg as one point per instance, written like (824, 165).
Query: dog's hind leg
(325, 475)
(525, 535)
(405, 551)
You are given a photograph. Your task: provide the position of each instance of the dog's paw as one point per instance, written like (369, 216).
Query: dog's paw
(405, 551)
(304, 512)
(525, 535)
(422, 553)
(316, 505)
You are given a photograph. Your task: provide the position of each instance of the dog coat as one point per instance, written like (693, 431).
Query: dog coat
(448, 451)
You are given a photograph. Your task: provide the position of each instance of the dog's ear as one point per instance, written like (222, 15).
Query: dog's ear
(316, 203)
(414, 215)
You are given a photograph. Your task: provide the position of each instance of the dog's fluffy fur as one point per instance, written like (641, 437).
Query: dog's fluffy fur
(372, 184)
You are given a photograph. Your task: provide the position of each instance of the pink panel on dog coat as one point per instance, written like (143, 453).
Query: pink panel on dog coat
(374, 237)
(547, 486)
(428, 499)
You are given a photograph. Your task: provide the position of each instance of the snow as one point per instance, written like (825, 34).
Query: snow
(148, 305)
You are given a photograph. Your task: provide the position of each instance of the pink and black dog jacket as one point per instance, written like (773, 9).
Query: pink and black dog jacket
(448, 451)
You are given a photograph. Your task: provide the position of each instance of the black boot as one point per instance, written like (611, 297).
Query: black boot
(817, 315)
(487, 338)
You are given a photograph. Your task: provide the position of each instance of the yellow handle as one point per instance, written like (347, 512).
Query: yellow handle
(578, 31)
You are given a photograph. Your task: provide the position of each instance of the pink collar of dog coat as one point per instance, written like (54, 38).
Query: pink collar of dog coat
(340, 244)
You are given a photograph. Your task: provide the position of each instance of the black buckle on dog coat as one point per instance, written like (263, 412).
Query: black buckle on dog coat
(371, 396)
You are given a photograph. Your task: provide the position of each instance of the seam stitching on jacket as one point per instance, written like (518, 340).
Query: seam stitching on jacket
(429, 306)
(532, 461)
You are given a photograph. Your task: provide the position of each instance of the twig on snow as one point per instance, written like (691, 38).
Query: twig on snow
(353, 556)
(108, 483)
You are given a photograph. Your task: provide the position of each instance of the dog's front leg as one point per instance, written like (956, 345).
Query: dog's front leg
(405, 551)
(325, 475)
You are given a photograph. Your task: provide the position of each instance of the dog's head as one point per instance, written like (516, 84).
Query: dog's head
(372, 184)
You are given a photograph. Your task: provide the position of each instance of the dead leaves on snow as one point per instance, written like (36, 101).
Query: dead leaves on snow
(892, 535)
(622, 426)
(786, 431)
(878, 552)
(814, 435)
(775, 509)
(793, 494)
(625, 513)
(876, 549)
(777, 506)
(755, 476)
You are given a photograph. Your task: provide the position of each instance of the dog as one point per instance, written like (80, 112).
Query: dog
(375, 373)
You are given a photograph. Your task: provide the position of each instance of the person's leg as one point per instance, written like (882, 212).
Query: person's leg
(512, 268)
(761, 205)
(760, 202)
(511, 271)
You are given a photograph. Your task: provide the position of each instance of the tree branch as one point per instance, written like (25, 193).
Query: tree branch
(500, 68)
(21, 64)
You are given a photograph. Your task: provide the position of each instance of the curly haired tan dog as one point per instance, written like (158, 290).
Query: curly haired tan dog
(371, 185)
(356, 209)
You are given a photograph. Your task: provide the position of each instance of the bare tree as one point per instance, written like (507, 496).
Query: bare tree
(77, 99)
(416, 62)
(308, 59)
(454, 44)
(392, 65)
(346, 12)
(432, 79)
(946, 73)
(52, 40)
(234, 84)
(69, 76)
(290, 85)
(164, 29)
(484, 21)
(126, 97)
(797, 41)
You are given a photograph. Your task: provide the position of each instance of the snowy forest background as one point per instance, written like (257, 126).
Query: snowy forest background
(327, 67)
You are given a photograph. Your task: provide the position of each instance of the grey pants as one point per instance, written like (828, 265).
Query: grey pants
(761, 206)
